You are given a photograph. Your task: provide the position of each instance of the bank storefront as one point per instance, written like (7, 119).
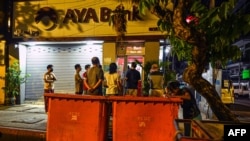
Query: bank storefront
(66, 32)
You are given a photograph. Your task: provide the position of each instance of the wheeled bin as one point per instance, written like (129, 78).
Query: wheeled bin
(76, 118)
(144, 118)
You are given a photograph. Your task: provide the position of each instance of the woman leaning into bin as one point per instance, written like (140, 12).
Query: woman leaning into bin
(189, 106)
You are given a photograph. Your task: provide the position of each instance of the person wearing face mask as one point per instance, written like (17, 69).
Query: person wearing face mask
(49, 79)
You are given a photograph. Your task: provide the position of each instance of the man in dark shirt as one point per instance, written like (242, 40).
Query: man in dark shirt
(132, 77)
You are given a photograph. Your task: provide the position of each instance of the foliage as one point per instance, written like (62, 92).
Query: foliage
(118, 21)
(146, 68)
(200, 34)
(169, 74)
(13, 80)
(219, 25)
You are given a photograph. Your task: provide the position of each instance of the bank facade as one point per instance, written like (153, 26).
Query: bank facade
(67, 32)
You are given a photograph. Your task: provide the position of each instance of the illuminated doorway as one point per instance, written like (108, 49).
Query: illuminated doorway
(128, 52)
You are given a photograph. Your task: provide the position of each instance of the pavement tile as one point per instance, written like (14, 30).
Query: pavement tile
(18, 108)
(3, 107)
(28, 116)
(31, 120)
(36, 110)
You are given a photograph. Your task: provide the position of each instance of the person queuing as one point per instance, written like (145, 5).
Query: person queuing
(189, 106)
(156, 81)
(132, 78)
(84, 76)
(94, 78)
(78, 80)
(112, 81)
(49, 78)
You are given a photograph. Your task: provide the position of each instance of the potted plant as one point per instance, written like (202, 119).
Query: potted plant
(13, 79)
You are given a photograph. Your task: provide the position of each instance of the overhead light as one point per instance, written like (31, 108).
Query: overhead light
(167, 50)
(89, 42)
(16, 45)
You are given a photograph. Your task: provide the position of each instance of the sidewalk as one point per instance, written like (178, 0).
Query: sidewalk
(27, 116)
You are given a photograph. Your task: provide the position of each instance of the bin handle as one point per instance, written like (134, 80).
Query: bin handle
(178, 132)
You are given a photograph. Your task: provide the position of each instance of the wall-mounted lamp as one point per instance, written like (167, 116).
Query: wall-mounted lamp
(16, 45)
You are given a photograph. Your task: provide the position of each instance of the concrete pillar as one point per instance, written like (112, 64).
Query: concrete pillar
(109, 54)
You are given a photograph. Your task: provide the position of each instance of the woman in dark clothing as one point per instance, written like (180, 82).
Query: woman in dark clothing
(189, 106)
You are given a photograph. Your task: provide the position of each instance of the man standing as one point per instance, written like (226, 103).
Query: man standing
(132, 78)
(156, 81)
(49, 79)
(78, 80)
(94, 78)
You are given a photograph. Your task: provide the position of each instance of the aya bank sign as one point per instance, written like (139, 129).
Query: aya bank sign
(77, 18)
(84, 15)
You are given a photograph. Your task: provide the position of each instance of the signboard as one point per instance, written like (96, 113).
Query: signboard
(245, 74)
(74, 18)
(135, 50)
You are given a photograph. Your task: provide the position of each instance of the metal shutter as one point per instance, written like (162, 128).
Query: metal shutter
(63, 57)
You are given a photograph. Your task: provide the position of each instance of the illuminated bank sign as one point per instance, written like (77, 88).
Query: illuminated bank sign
(78, 20)
(86, 14)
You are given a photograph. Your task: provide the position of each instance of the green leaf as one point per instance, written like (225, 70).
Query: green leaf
(215, 19)
(159, 22)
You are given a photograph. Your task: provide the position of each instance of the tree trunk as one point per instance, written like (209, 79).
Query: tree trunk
(193, 73)
(193, 77)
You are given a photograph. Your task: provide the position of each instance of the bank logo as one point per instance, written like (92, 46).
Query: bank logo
(47, 17)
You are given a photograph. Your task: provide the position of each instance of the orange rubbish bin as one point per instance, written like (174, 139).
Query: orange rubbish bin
(144, 118)
(76, 118)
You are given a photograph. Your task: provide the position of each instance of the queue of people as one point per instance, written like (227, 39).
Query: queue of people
(93, 79)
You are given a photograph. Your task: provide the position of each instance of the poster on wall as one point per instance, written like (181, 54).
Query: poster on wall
(74, 18)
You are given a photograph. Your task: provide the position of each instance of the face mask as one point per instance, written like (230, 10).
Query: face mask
(51, 69)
